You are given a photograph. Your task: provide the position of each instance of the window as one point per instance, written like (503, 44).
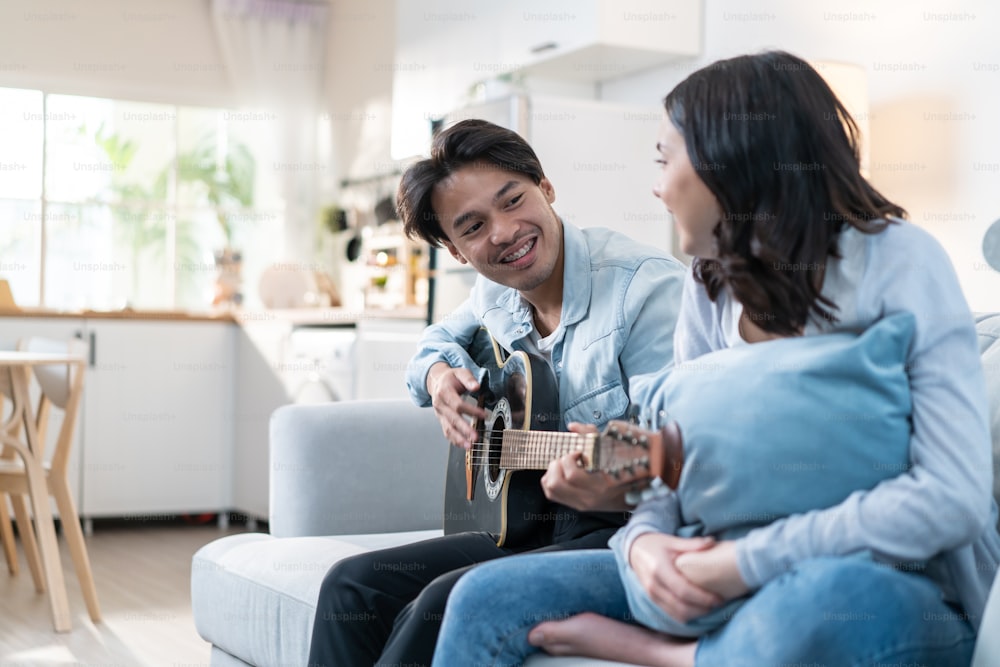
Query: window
(110, 203)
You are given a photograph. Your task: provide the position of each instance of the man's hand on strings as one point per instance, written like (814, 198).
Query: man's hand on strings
(567, 482)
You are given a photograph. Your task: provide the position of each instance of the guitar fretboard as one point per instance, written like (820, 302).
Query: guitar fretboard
(534, 450)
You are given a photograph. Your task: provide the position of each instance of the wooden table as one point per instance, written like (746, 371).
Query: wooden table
(31, 450)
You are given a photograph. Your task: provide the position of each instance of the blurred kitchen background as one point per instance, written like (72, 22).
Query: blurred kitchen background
(204, 189)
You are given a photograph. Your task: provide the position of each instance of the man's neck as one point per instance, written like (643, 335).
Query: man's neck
(547, 299)
(546, 305)
(546, 323)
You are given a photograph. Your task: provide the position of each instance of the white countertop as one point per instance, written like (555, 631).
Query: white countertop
(295, 316)
(328, 316)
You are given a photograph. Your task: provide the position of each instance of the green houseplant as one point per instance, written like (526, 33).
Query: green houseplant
(141, 212)
(226, 186)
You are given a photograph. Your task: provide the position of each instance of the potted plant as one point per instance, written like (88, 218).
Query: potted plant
(140, 210)
(227, 186)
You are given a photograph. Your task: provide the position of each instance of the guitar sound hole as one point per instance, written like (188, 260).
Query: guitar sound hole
(493, 450)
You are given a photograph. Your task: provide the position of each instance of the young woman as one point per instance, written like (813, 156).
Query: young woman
(759, 167)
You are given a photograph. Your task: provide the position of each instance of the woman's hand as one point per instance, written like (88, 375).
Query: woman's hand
(714, 569)
(653, 557)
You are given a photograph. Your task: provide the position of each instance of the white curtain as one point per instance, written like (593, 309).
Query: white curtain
(274, 51)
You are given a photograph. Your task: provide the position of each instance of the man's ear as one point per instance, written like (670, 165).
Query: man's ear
(454, 252)
(545, 185)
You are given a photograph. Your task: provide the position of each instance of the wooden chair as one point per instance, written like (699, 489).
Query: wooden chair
(62, 387)
(12, 427)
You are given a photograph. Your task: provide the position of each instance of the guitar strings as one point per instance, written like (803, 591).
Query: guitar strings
(546, 447)
(543, 457)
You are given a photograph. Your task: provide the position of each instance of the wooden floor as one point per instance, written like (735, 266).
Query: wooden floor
(143, 576)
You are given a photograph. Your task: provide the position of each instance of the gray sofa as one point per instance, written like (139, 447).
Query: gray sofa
(353, 476)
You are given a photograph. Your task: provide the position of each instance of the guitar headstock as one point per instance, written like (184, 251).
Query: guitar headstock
(624, 450)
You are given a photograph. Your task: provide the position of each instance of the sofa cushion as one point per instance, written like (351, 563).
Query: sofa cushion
(254, 595)
(988, 328)
(220, 658)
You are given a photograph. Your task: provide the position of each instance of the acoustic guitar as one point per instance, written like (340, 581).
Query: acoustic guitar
(495, 485)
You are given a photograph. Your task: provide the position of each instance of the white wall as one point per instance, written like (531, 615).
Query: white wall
(934, 88)
(359, 71)
(147, 50)
(933, 67)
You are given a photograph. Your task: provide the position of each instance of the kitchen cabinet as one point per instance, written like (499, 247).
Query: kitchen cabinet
(446, 48)
(262, 352)
(157, 418)
(443, 47)
(384, 349)
(308, 356)
(154, 435)
(595, 40)
(176, 412)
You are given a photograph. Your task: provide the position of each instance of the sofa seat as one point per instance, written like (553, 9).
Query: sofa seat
(247, 586)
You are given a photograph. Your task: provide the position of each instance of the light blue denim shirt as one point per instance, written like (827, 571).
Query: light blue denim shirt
(620, 305)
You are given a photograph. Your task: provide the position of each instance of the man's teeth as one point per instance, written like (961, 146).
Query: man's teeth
(520, 253)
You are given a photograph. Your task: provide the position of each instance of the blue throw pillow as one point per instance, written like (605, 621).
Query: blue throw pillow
(791, 425)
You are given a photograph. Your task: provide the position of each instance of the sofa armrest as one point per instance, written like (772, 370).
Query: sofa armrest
(355, 467)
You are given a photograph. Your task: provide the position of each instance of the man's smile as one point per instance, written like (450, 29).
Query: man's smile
(519, 253)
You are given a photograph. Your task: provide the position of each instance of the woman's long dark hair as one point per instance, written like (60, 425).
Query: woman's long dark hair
(780, 153)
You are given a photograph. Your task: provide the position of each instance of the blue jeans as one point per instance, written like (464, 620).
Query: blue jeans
(839, 612)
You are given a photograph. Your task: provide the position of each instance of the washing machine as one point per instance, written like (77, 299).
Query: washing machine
(320, 364)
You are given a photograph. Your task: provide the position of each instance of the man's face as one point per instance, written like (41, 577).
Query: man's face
(502, 224)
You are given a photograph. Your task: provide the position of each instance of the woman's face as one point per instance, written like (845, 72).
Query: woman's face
(694, 208)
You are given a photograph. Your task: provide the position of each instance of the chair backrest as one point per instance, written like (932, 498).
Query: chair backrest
(56, 381)
(7, 399)
(6, 390)
(61, 386)
(6, 297)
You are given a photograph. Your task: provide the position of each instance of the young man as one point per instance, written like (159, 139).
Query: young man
(596, 305)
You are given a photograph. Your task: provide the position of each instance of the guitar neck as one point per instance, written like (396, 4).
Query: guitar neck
(534, 450)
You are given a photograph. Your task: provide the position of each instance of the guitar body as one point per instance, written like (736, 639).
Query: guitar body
(520, 392)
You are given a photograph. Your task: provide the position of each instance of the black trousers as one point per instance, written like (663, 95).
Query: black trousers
(385, 607)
